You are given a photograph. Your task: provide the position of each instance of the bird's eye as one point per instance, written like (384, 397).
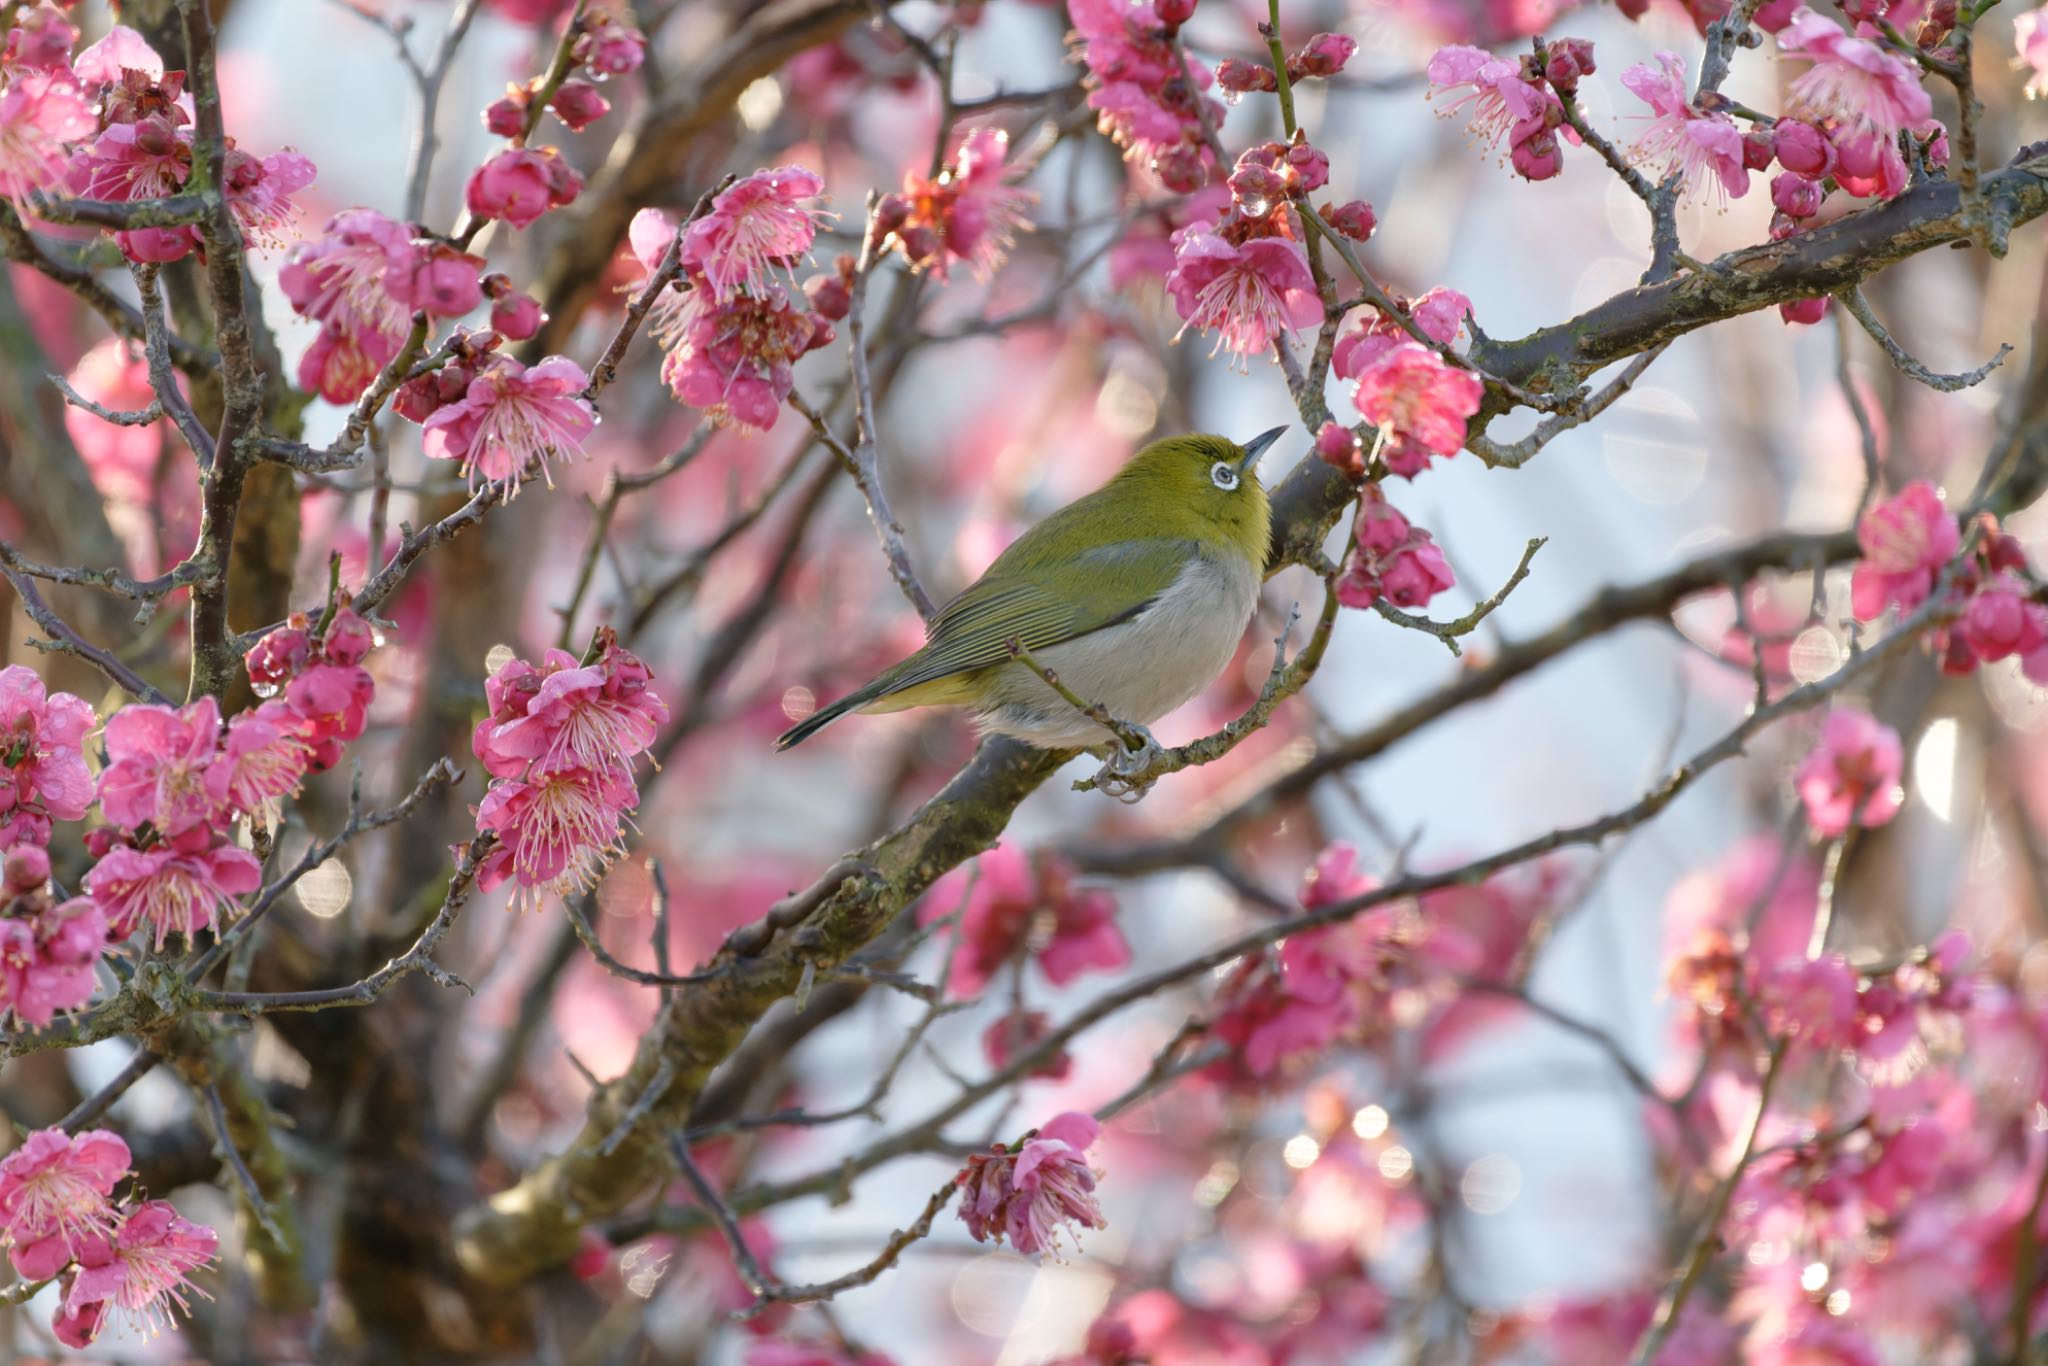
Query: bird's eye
(1223, 475)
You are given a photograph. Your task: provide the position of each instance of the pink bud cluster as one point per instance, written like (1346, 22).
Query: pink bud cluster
(60, 1220)
(1390, 560)
(1324, 55)
(559, 743)
(1148, 93)
(1013, 900)
(1036, 1192)
(1994, 596)
(731, 329)
(969, 214)
(521, 183)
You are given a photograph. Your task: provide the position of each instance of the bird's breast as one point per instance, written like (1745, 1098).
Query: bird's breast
(1139, 669)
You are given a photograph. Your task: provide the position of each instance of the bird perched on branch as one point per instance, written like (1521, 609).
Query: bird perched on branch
(1133, 597)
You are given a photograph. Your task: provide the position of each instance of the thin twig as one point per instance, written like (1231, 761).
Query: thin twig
(1859, 309)
(1449, 631)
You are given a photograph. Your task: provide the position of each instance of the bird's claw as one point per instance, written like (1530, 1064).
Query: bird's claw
(1128, 774)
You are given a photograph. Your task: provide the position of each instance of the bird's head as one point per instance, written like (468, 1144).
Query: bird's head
(1207, 483)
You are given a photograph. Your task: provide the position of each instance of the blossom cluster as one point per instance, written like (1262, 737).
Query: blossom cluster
(1992, 596)
(1150, 96)
(61, 1222)
(113, 124)
(969, 214)
(1357, 979)
(731, 329)
(559, 742)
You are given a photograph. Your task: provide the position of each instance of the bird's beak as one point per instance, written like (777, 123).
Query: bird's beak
(1256, 447)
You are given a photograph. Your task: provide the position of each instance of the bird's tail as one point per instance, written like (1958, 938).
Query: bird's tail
(826, 715)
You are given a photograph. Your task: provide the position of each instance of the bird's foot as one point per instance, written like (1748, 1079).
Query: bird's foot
(1128, 774)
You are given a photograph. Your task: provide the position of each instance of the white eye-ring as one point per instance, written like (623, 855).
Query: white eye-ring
(1223, 475)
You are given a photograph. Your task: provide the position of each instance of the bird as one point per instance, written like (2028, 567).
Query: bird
(1134, 596)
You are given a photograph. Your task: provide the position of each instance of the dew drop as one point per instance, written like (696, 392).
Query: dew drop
(264, 690)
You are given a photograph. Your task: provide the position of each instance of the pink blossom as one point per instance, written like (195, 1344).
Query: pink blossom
(556, 832)
(568, 715)
(513, 417)
(47, 960)
(41, 112)
(332, 702)
(1906, 539)
(123, 49)
(775, 1353)
(1249, 293)
(54, 1192)
(147, 159)
(520, 184)
(1681, 137)
(1420, 402)
(1503, 101)
(435, 278)
(260, 191)
(1009, 896)
(142, 1269)
(157, 761)
(1862, 95)
(1440, 313)
(970, 213)
(1810, 999)
(43, 776)
(175, 888)
(263, 759)
(342, 280)
(41, 39)
(1034, 1194)
(1147, 94)
(757, 224)
(735, 360)
(1852, 776)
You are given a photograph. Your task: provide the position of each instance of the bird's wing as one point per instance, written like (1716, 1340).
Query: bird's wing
(1008, 603)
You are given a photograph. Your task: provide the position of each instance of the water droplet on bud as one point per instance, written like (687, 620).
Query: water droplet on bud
(264, 690)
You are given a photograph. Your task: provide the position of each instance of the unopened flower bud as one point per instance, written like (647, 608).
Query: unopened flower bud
(1355, 219)
(506, 118)
(578, 104)
(1758, 148)
(1338, 446)
(1323, 55)
(1795, 196)
(1802, 148)
(1180, 168)
(517, 316)
(1174, 13)
(1310, 165)
(1804, 310)
(1239, 77)
(1567, 61)
(27, 868)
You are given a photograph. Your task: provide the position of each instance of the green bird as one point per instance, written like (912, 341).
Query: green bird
(1134, 596)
